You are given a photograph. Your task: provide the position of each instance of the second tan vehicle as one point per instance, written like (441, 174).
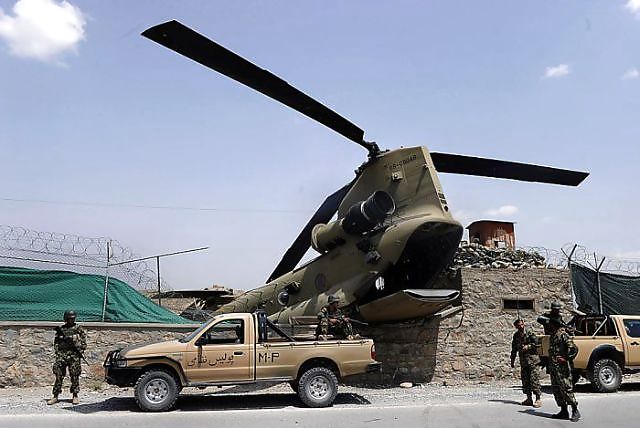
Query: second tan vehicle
(608, 346)
(237, 348)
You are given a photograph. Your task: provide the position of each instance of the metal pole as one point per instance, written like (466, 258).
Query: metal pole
(573, 294)
(598, 279)
(106, 281)
(160, 255)
(158, 270)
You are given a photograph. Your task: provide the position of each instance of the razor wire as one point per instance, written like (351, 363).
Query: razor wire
(479, 256)
(602, 263)
(25, 248)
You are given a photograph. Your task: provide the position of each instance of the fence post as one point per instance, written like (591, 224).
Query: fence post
(598, 280)
(158, 269)
(106, 281)
(573, 295)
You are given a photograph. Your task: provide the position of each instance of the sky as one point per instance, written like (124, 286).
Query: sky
(104, 133)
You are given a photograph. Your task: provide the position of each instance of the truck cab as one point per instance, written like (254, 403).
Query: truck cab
(232, 349)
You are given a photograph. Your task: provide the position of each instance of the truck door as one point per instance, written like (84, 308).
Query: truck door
(631, 341)
(222, 353)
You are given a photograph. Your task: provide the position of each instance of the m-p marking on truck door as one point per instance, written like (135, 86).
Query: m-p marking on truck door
(266, 357)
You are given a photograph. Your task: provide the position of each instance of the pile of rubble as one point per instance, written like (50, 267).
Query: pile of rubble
(478, 256)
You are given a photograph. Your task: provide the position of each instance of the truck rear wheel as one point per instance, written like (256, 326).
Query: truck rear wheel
(156, 391)
(606, 376)
(318, 387)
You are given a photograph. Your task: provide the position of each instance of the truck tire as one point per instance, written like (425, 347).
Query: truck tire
(606, 376)
(156, 391)
(318, 387)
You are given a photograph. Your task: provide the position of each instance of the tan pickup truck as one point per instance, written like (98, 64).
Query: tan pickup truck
(608, 346)
(237, 348)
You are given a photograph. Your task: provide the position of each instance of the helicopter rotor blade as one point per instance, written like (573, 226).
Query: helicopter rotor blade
(187, 42)
(469, 165)
(302, 243)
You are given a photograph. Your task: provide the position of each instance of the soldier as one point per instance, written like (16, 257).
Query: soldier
(525, 344)
(332, 321)
(562, 351)
(554, 312)
(69, 344)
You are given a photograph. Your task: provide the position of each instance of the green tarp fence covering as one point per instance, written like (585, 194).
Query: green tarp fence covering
(44, 295)
(620, 294)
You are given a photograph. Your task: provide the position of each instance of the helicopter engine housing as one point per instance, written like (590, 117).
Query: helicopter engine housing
(362, 217)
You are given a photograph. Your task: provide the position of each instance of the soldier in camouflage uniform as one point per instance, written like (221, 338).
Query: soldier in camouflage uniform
(553, 312)
(562, 351)
(525, 344)
(69, 344)
(332, 321)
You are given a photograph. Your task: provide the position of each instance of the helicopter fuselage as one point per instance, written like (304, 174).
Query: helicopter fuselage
(406, 250)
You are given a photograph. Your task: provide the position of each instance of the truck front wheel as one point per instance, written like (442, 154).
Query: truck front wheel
(156, 391)
(318, 387)
(606, 376)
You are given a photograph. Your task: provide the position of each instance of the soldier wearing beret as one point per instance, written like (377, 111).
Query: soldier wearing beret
(525, 345)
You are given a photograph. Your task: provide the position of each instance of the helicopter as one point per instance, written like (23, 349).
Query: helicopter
(384, 253)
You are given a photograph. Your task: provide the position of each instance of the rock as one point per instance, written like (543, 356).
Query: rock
(406, 385)
(478, 256)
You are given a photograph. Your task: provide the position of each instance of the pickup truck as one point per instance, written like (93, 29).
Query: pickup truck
(608, 346)
(238, 348)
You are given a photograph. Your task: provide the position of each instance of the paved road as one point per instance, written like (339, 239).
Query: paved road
(458, 408)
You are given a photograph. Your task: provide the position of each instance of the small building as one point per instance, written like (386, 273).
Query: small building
(492, 233)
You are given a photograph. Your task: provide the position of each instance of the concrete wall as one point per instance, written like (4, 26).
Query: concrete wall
(473, 345)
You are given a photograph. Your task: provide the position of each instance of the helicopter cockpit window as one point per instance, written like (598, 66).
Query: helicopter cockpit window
(225, 332)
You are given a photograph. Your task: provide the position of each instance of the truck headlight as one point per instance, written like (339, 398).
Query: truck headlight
(121, 362)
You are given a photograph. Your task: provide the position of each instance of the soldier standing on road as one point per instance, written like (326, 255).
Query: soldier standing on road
(332, 321)
(525, 344)
(562, 351)
(69, 344)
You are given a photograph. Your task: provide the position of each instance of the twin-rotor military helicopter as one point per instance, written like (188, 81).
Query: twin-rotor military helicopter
(394, 233)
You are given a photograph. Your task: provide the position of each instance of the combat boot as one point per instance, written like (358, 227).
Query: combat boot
(575, 414)
(75, 399)
(537, 403)
(527, 402)
(562, 414)
(52, 400)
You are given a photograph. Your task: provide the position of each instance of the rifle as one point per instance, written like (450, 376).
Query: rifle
(70, 341)
(546, 320)
(342, 318)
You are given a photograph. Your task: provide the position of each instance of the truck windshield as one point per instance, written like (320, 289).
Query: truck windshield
(194, 333)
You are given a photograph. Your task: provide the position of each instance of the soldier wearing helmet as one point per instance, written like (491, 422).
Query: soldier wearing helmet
(331, 321)
(69, 343)
(554, 312)
(562, 351)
